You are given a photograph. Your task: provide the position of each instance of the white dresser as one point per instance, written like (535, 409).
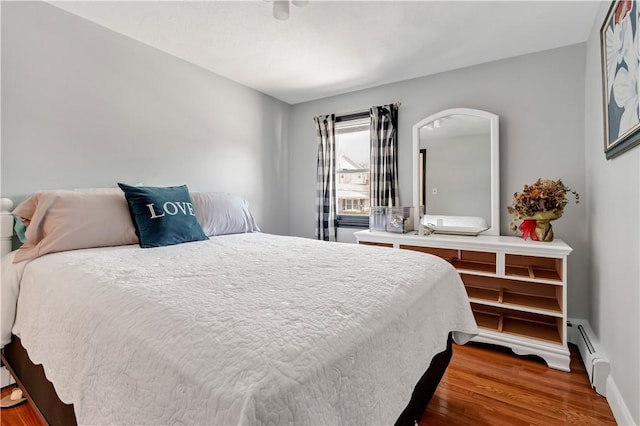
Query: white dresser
(517, 288)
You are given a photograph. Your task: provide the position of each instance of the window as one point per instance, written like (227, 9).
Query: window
(353, 158)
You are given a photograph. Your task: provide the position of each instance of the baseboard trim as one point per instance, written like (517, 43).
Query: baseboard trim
(594, 356)
(620, 410)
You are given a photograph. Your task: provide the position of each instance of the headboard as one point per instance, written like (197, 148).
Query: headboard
(6, 225)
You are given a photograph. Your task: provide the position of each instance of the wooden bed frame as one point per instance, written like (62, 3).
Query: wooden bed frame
(42, 396)
(35, 386)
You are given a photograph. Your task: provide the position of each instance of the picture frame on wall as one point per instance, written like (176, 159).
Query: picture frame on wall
(620, 74)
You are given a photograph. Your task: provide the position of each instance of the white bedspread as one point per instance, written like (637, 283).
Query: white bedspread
(241, 329)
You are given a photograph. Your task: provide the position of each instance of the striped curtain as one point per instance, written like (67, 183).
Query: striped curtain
(326, 182)
(384, 160)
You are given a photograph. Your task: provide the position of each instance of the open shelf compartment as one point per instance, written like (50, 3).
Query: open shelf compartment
(447, 254)
(369, 243)
(525, 324)
(526, 295)
(477, 261)
(488, 320)
(535, 267)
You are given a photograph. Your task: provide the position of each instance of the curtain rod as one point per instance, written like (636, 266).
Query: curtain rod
(357, 113)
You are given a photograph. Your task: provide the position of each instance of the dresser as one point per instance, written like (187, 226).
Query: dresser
(517, 288)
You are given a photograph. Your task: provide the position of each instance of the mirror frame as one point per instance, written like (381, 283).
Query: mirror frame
(495, 163)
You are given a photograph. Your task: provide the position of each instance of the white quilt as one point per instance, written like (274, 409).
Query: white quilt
(240, 329)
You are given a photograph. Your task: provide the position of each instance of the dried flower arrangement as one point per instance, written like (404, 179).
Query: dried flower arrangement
(543, 200)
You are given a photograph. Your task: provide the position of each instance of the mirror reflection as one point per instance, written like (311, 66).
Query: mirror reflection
(457, 172)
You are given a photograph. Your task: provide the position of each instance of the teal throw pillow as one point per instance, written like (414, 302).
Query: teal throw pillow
(162, 216)
(20, 229)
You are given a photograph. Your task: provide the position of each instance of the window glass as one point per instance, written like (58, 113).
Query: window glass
(352, 167)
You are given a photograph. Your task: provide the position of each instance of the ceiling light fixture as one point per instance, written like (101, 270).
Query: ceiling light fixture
(281, 8)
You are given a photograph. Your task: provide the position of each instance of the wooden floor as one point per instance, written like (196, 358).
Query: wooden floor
(483, 386)
(491, 386)
(19, 415)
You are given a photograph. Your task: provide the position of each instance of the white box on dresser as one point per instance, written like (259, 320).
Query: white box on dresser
(517, 288)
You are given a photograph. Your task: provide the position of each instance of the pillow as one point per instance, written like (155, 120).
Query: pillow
(60, 220)
(220, 213)
(162, 216)
(20, 229)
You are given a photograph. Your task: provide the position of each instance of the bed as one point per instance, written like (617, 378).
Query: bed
(236, 328)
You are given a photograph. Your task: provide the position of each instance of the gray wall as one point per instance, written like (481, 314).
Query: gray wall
(613, 206)
(540, 101)
(83, 106)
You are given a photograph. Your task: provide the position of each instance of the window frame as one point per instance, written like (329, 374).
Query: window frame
(347, 220)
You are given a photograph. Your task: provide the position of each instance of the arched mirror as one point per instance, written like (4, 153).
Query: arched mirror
(456, 172)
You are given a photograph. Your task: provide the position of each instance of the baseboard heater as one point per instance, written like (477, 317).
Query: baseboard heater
(593, 356)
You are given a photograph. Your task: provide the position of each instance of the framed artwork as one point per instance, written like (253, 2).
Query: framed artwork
(620, 73)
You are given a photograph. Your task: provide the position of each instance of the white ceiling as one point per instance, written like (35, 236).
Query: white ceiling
(332, 47)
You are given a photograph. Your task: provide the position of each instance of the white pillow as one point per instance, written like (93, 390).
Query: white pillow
(220, 213)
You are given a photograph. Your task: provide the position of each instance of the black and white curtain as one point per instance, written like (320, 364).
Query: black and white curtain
(384, 160)
(326, 183)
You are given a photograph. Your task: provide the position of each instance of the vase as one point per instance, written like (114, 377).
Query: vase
(538, 226)
(544, 230)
